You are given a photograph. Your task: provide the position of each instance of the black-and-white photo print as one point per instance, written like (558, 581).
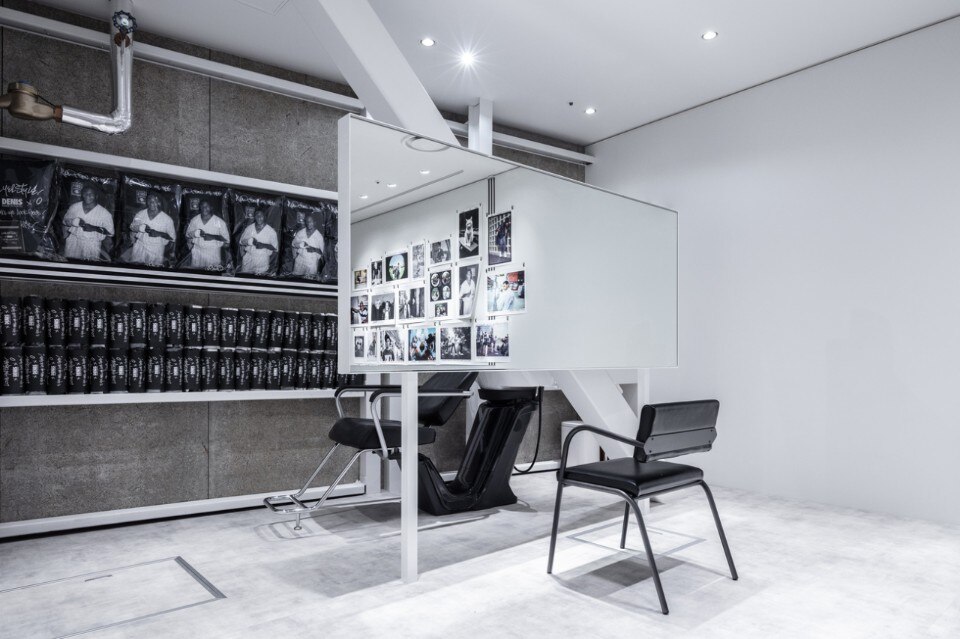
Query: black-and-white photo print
(410, 303)
(358, 309)
(151, 214)
(376, 273)
(455, 343)
(360, 279)
(206, 238)
(359, 346)
(441, 285)
(392, 345)
(418, 261)
(469, 238)
(396, 265)
(256, 233)
(440, 252)
(383, 308)
(86, 215)
(500, 238)
(468, 288)
(373, 345)
(441, 310)
(493, 341)
(506, 293)
(422, 344)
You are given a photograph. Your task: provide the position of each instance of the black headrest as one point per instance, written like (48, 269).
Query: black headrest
(677, 428)
(435, 411)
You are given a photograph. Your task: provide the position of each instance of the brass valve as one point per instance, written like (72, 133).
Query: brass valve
(23, 102)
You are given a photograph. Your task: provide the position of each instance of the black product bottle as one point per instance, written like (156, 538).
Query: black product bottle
(156, 326)
(35, 369)
(258, 369)
(191, 369)
(78, 322)
(193, 325)
(97, 369)
(174, 325)
(77, 356)
(11, 314)
(137, 369)
(330, 326)
(226, 370)
(98, 323)
(210, 369)
(34, 321)
(291, 338)
(173, 375)
(315, 370)
(119, 332)
(278, 320)
(156, 367)
(56, 322)
(229, 320)
(241, 369)
(12, 383)
(288, 369)
(211, 326)
(138, 323)
(56, 370)
(118, 363)
(274, 363)
(260, 332)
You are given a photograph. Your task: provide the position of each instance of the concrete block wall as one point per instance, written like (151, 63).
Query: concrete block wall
(66, 460)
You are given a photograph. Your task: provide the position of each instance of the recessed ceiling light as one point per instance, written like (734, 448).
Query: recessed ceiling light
(467, 58)
(709, 35)
(392, 185)
(428, 42)
(363, 197)
(589, 110)
(424, 171)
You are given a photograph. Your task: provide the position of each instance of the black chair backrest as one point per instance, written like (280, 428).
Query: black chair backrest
(678, 428)
(435, 411)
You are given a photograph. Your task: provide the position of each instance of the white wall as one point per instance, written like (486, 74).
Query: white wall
(820, 274)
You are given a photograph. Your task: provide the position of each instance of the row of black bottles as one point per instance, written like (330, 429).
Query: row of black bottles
(53, 346)
(36, 321)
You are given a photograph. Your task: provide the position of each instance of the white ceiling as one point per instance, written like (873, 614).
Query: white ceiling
(634, 60)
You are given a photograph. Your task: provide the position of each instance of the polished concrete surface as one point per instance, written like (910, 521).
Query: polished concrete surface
(806, 570)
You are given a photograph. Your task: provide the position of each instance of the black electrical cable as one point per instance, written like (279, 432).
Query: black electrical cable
(536, 451)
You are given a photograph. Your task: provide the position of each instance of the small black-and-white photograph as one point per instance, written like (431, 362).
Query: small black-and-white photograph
(422, 344)
(397, 266)
(372, 345)
(360, 279)
(441, 310)
(305, 248)
(468, 289)
(383, 308)
(359, 346)
(469, 239)
(392, 345)
(506, 293)
(151, 214)
(500, 238)
(206, 238)
(410, 303)
(86, 214)
(439, 252)
(358, 309)
(376, 273)
(256, 233)
(418, 261)
(455, 343)
(441, 285)
(493, 341)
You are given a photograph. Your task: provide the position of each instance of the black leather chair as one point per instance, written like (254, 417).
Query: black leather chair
(666, 430)
(439, 397)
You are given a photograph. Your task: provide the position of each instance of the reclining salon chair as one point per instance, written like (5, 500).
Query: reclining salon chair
(439, 398)
(666, 430)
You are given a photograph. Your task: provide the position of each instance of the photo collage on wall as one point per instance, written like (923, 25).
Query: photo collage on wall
(445, 300)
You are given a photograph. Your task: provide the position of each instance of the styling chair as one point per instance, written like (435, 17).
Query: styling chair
(666, 430)
(439, 398)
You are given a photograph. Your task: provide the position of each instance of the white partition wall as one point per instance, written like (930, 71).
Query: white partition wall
(599, 270)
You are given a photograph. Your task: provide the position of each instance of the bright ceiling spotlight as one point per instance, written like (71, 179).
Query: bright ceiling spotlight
(589, 110)
(392, 185)
(467, 58)
(709, 35)
(428, 42)
(424, 171)
(363, 197)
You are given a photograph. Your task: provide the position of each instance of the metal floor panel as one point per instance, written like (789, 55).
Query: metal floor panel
(93, 601)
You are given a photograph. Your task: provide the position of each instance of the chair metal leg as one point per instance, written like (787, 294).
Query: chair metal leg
(626, 520)
(723, 537)
(556, 523)
(650, 559)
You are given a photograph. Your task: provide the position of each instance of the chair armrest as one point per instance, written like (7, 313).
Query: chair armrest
(395, 392)
(357, 389)
(598, 431)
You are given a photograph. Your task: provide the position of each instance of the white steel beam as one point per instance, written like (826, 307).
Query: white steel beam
(480, 127)
(361, 47)
(409, 456)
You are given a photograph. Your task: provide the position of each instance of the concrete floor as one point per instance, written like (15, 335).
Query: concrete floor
(806, 570)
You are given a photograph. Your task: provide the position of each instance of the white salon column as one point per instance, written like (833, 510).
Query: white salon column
(408, 476)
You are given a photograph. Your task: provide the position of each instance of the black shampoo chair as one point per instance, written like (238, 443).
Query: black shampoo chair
(439, 398)
(666, 430)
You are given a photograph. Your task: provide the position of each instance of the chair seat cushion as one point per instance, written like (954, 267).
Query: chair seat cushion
(361, 433)
(633, 477)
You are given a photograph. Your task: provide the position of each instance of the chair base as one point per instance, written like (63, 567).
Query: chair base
(631, 504)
